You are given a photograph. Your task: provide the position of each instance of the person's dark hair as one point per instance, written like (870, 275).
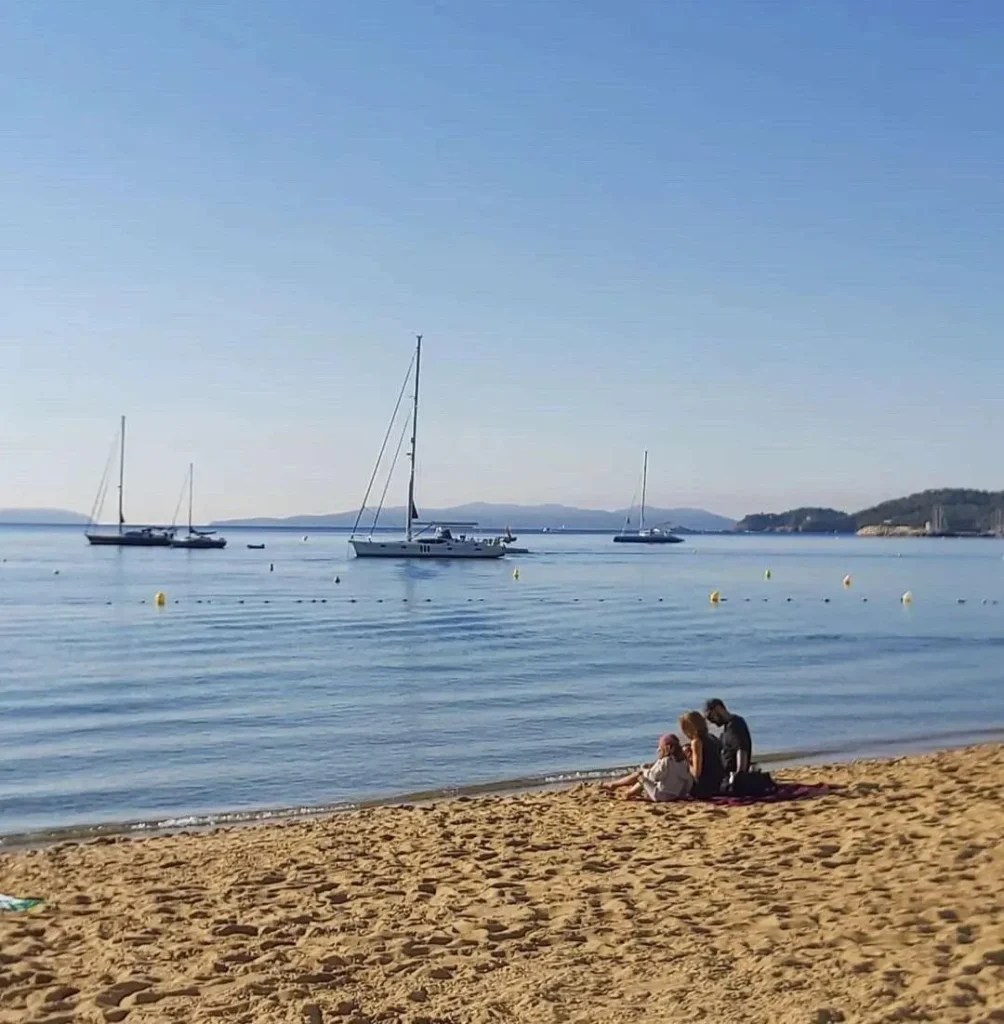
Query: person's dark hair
(714, 704)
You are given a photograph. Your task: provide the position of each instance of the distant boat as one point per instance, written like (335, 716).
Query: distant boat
(442, 543)
(656, 535)
(137, 537)
(256, 547)
(197, 540)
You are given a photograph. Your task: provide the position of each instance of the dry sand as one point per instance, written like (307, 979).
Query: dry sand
(880, 903)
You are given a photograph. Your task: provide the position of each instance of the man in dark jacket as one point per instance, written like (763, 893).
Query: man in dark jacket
(737, 744)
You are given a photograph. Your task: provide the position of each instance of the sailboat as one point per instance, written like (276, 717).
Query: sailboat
(197, 539)
(442, 543)
(654, 535)
(137, 537)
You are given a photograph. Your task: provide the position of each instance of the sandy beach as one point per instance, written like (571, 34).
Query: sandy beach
(880, 902)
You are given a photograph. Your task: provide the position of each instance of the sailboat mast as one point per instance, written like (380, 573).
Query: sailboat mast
(191, 486)
(644, 487)
(414, 435)
(121, 473)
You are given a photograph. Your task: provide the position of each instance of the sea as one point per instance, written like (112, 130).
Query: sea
(297, 679)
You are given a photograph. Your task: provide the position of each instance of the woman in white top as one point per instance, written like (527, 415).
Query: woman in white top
(667, 779)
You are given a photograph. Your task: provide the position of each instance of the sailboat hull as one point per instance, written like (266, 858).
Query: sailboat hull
(131, 539)
(199, 543)
(425, 549)
(642, 538)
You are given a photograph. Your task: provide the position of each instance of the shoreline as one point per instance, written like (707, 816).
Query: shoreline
(879, 901)
(210, 821)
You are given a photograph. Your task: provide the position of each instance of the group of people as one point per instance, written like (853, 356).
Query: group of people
(707, 765)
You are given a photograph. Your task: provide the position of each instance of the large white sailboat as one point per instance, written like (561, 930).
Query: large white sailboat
(440, 542)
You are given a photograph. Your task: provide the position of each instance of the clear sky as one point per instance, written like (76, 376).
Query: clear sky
(763, 240)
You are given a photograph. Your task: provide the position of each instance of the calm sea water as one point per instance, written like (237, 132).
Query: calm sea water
(255, 689)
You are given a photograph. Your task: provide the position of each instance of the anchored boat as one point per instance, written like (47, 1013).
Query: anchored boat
(441, 542)
(134, 537)
(197, 539)
(655, 535)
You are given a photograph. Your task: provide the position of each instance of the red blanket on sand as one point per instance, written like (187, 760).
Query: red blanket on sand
(785, 791)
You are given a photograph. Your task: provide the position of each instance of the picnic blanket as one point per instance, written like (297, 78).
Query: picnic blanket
(786, 791)
(14, 903)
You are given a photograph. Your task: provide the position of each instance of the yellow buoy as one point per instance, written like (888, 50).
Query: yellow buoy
(160, 599)
(515, 574)
(847, 581)
(907, 598)
(715, 597)
(767, 574)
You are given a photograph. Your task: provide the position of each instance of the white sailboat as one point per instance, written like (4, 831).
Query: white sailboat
(441, 543)
(197, 540)
(655, 535)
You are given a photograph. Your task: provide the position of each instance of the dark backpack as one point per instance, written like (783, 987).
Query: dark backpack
(752, 783)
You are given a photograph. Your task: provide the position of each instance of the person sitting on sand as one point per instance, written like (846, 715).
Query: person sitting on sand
(737, 744)
(705, 756)
(667, 779)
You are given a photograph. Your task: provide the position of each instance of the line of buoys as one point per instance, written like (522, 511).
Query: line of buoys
(906, 600)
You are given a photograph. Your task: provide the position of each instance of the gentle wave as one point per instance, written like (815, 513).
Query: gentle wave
(512, 785)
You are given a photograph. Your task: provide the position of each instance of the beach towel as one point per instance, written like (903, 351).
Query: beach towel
(786, 791)
(13, 903)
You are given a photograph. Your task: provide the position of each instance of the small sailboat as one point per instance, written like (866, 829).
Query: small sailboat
(197, 539)
(136, 537)
(441, 543)
(656, 535)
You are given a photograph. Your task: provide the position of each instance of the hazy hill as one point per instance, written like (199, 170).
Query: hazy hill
(965, 511)
(42, 516)
(519, 517)
(798, 520)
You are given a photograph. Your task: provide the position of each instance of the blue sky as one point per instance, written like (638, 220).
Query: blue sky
(763, 240)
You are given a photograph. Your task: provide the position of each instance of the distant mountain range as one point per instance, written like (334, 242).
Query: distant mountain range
(960, 510)
(519, 517)
(42, 516)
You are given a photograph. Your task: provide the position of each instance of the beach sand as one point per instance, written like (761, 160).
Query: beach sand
(881, 902)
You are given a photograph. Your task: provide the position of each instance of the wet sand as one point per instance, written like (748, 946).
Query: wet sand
(881, 902)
